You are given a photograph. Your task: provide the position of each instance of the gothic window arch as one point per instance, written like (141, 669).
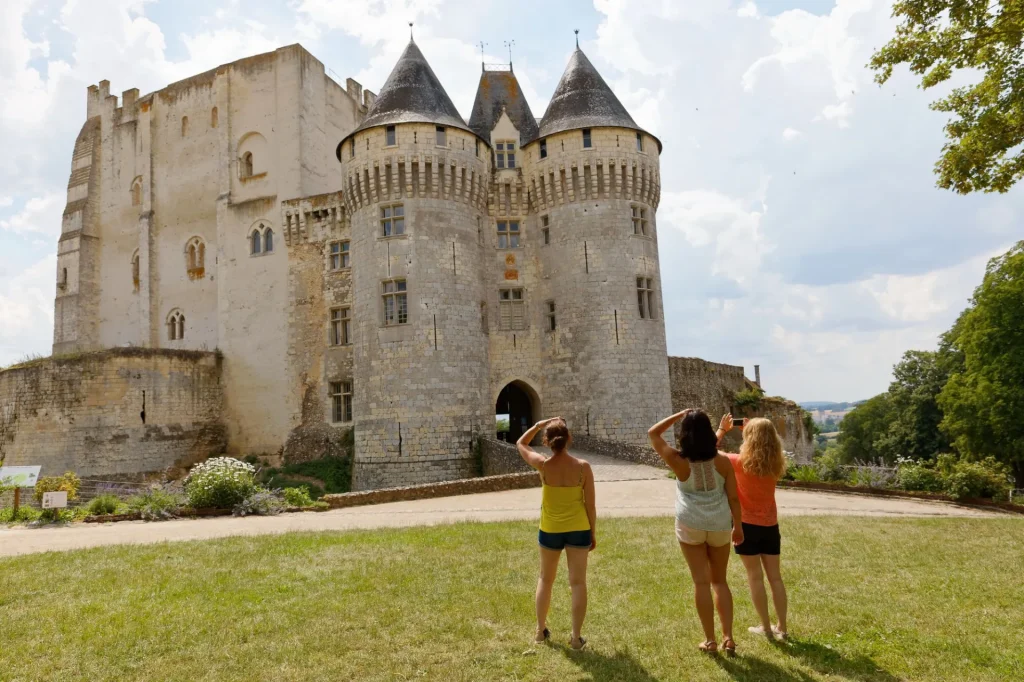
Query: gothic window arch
(137, 191)
(195, 257)
(255, 243)
(261, 239)
(268, 241)
(135, 270)
(175, 325)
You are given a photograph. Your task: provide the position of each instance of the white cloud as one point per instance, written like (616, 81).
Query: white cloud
(6, 201)
(791, 134)
(40, 214)
(26, 308)
(748, 10)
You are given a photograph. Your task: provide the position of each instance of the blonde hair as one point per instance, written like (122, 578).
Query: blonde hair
(761, 451)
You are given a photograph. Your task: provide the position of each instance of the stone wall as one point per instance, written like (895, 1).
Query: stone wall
(467, 486)
(499, 457)
(788, 418)
(640, 454)
(121, 411)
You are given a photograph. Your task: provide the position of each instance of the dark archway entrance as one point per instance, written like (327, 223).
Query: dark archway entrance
(513, 412)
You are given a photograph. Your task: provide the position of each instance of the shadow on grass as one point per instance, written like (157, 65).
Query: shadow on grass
(622, 666)
(830, 662)
(748, 668)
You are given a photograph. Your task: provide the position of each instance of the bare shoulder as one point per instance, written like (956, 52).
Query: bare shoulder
(584, 463)
(723, 463)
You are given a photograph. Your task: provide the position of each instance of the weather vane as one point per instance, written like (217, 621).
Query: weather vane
(482, 43)
(510, 44)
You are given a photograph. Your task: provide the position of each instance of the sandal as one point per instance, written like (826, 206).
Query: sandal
(582, 641)
(730, 646)
(759, 630)
(781, 634)
(545, 636)
(709, 646)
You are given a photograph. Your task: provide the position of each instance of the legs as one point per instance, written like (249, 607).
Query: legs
(700, 570)
(718, 560)
(577, 559)
(548, 570)
(755, 578)
(771, 563)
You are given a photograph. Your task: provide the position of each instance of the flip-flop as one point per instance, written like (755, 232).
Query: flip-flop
(729, 645)
(545, 636)
(781, 634)
(583, 643)
(709, 646)
(759, 630)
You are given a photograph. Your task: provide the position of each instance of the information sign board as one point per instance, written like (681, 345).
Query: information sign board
(56, 500)
(19, 477)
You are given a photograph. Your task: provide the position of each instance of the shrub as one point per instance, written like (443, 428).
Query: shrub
(806, 473)
(987, 478)
(25, 514)
(68, 483)
(104, 504)
(222, 483)
(156, 504)
(57, 515)
(829, 466)
(261, 502)
(920, 476)
(748, 398)
(297, 497)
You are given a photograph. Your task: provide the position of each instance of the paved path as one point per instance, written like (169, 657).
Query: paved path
(623, 489)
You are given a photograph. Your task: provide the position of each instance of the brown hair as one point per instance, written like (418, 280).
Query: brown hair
(556, 435)
(697, 439)
(761, 452)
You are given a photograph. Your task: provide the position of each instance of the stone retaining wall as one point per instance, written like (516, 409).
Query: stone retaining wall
(499, 457)
(639, 454)
(467, 486)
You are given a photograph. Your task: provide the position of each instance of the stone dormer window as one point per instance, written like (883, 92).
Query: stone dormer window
(175, 325)
(587, 143)
(505, 153)
(390, 136)
(441, 135)
(195, 258)
(543, 149)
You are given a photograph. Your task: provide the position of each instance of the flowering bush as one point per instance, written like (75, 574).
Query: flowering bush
(261, 502)
(156, 504)
(222, 482)
(68, 483)
(104, 504)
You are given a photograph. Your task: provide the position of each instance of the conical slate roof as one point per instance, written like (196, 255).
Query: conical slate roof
(583, 100)
(497, 91)
(411, 94)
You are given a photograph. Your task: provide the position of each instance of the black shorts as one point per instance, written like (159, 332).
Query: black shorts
(760, 540)
(576, 539)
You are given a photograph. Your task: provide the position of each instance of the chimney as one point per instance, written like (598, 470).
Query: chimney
(757, 375)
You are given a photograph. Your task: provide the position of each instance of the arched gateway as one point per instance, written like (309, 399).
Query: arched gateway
(517, 404)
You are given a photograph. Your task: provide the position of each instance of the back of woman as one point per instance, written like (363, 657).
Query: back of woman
(701, 500)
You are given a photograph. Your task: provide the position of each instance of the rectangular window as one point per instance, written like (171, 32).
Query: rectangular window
(645, 297)
(341, 329)
(508, 234)
(442, 136)
(505, 154)
(544, 220)
(639, 221)
(478, 149)
(396, 303)
(352, 150)
(340, 255)
(551, 316)
(341, 401)
(543, 149)
(639, 142)
(586, 138)
(390, 136)
(392, 220)
(512, 309)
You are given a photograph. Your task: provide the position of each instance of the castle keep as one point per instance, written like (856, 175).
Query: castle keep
(373, 263)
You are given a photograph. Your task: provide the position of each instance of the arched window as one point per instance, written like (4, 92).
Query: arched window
(213, 117)
(175, 326)
(261, 239)
(247, 165)
(135, 270)
(268, 241)
(254, 246)
(195, 257)
(184, 126)
(137, 191)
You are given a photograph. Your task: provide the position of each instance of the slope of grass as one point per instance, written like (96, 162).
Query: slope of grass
(871, 599)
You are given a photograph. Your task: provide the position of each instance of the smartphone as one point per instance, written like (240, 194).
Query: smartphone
(739, 422)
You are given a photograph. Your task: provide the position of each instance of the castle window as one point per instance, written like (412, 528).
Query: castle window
(352, 152)
(255, 243)
(175, 326)
(195, 257)
(341, 321)
(645, 297)
(63, 281)
(478, 149)
(247, 165)
(213, 117)
(137, 191)
(545, 230)
(341, 401)
(551, 316)
(639, 221)
(184, 126)
(442, 136)
(506, 154)
(396, 304)
(639, 142)
(339, 255)
(587, 144)
(511, 309)
(268, 241)
(135, 271)
(543, 149)
(390, 136)
(392, 220)
(508, 234)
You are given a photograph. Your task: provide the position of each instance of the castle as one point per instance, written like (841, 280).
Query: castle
(367, 262)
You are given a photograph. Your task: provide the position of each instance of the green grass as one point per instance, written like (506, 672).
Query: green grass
(871, 599)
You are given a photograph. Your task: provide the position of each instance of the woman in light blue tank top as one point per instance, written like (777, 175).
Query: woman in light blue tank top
(707, 516)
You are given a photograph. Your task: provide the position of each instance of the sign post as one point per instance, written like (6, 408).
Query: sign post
(19, 477)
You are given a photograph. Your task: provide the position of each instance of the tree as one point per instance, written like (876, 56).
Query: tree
(914, 430)
(938, 38)
(862, 428)
(983, 401)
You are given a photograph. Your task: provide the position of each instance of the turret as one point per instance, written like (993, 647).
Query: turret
(415, 185)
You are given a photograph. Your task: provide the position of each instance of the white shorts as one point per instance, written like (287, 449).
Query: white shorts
(692, 536)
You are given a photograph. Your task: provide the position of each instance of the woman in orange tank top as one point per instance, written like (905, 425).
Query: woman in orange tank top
(758, 466)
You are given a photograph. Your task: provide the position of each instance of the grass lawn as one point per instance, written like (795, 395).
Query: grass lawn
(870, 599)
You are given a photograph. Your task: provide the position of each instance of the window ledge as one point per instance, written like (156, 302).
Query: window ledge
(256, 176)
(393, 236)
(338, 270)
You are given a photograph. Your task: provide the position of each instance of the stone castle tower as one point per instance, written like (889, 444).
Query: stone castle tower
(375, 263)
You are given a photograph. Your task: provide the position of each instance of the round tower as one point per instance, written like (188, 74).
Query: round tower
(415, 185)
(594, 184)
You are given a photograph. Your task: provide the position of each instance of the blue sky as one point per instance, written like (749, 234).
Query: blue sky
(799, 227)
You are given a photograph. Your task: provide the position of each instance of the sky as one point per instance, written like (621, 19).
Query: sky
(800, 228)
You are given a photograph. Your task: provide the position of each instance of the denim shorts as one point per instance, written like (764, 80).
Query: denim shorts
(575, 539)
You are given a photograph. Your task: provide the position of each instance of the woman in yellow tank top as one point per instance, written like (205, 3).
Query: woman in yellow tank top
(568, 520)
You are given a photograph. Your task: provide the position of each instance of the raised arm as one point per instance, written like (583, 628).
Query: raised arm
(532, 457)
(724, 427)
(590, 502)
(668, 453)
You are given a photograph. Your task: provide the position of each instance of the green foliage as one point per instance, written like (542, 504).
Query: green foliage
(986, 479)
(983, 401)
(25, 514)
(921, 477)
(830, 465)
(335, 473)
(68, 483)
(220, 483)
(156, 504)
(940, 38)
(914, 414)
(501, 426)
(281, 482)
(806, 473)
(261, 502)
(104, 504)
(297, 497)
(749, 398)
(862, 427)
(57, 515)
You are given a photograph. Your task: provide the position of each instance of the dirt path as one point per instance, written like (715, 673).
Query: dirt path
(623, 489)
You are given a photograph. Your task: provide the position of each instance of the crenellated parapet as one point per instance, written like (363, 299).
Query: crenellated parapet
(314, 218)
